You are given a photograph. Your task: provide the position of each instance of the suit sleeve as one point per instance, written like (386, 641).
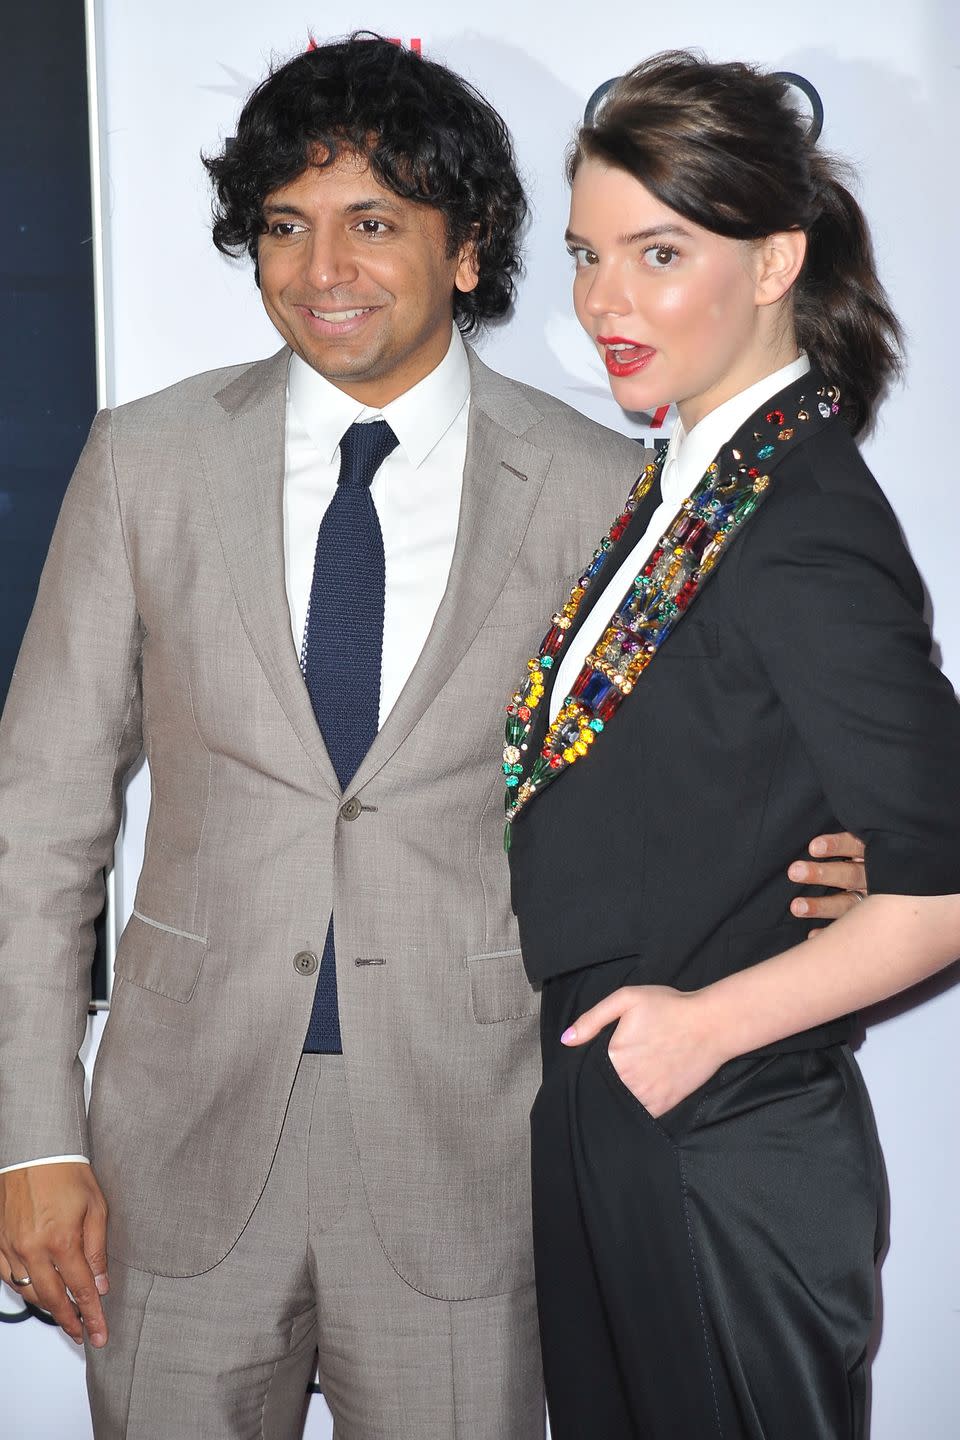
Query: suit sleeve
(833, 606)
(69, 732)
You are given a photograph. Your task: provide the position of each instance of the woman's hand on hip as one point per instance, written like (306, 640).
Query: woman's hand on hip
(662, 1048)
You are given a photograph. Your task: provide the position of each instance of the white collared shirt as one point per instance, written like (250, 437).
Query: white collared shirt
(687, 458)
(417, 494)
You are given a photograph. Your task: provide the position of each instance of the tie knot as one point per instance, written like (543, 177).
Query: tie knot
(363, 450)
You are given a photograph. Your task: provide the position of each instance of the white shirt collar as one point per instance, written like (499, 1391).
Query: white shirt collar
(419, 418)
(689, 455)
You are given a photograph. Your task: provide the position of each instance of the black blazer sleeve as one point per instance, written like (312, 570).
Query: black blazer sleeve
(832, 604)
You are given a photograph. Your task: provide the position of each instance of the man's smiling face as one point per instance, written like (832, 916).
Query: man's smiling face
(359, 281)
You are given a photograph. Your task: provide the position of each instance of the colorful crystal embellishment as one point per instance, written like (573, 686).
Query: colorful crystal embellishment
(666, 585)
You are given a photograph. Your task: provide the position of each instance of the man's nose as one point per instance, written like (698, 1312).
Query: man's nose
(331, 261)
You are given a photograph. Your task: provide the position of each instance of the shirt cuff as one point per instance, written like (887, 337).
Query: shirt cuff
(45, 1160)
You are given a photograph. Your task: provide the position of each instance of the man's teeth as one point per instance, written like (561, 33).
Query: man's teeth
(336, 317)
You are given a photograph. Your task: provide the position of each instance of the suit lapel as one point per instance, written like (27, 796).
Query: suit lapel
(242, 453)
(758, 447)
(243, 463)
(639, 521)
(621, 548)
(502, 480)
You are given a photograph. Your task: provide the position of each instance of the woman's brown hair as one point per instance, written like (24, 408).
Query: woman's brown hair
(723, 146)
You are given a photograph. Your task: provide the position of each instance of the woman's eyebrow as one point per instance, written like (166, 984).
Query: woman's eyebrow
(652, 232)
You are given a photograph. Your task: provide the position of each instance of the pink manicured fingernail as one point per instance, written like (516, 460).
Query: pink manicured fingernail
(818, 847)
(800, 907)
(102, 1284)
(568, 1036)
(797, 870)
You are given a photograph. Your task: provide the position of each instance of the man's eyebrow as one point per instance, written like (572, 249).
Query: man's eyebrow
(652, 232)
(273, 208)
(382, 202)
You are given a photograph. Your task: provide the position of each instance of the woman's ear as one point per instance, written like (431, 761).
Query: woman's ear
(780, 260)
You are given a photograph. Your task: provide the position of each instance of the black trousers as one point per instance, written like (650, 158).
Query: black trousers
(711, 1273)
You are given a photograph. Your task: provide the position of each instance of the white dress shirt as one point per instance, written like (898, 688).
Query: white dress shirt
(417, 494)
(416, 491)
(687, 458)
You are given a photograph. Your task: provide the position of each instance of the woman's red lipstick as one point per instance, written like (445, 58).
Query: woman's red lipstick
(628, 358)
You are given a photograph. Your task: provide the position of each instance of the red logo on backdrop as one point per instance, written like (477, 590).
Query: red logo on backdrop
(241, 85)
(415, 44)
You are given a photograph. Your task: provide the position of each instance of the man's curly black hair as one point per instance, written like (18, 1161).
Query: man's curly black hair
(426, 134)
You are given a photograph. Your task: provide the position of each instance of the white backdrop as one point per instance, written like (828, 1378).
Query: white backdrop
(171, 81)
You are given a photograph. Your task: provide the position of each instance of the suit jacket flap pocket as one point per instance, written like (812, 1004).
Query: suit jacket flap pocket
(159, 957)
(499, 987)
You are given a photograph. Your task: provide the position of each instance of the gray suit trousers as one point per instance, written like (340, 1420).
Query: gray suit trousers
(228, 1355)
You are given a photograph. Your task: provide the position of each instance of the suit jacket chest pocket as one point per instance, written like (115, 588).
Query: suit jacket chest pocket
(527, 604)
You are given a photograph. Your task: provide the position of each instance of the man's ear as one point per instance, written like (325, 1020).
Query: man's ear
(780, 260)
(467, 277)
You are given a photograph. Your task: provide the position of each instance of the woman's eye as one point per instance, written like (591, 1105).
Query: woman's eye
(582, 256)
(659, 257)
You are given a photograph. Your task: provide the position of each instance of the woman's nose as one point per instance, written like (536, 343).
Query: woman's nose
(604, 292)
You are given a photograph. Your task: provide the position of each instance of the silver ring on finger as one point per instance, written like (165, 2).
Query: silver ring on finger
(859, 894)
(20, 1284)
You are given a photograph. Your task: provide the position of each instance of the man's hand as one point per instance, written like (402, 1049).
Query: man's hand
(838, 863)
(53, 1228)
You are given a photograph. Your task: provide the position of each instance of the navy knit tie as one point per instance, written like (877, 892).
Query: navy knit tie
(343, 650)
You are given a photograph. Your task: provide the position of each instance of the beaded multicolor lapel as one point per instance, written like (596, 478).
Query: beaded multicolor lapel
(731, 490)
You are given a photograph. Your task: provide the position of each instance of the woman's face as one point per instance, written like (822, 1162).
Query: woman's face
(676, 312)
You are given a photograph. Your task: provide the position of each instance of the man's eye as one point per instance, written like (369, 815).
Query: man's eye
(373, 227)
(285, 227)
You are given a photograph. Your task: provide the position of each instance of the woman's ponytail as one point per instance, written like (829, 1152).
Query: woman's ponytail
(843, 317)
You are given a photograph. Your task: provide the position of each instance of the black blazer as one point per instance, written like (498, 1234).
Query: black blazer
(796, 696)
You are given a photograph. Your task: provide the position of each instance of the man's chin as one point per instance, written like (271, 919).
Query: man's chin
(338, 367)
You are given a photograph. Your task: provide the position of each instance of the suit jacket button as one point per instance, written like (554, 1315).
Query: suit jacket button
(350, 809)
(305, 962)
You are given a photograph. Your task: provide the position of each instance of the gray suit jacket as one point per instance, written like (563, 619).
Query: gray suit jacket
(162, 624)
